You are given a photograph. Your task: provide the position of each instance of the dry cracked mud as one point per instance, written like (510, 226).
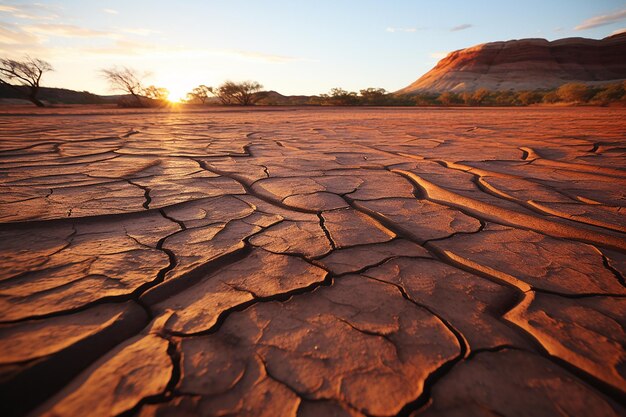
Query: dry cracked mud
(313, 262)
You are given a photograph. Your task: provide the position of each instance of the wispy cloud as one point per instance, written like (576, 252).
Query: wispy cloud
(110, 11)
(11, 34)
(67, 31)
(8, 9)
(34, 38)
(408, 30)
(114, 43)
(461, 27)
(131, 48)
(121, 48)
(35, 11)
(602, 20)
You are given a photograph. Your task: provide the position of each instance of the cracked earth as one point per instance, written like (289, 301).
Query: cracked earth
(313, 262)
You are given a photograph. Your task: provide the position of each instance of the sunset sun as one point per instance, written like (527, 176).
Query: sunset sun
(176, 94)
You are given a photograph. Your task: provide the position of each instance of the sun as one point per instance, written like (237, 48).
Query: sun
(177, 94)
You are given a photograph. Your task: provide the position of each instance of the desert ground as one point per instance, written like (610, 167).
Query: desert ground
(313, 262)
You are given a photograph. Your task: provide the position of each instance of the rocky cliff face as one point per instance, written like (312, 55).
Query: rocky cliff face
(526, 64)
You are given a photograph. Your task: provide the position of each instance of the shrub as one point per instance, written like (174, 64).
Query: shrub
(551, 97)
(610, 93)
(573, 93)
(449, 98)
(526, 98)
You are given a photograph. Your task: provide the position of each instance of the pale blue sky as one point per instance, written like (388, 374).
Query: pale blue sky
(294, 47)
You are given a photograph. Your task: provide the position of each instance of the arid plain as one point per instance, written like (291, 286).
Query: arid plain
(313, 262)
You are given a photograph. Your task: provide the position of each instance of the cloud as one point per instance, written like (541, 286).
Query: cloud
(461, 27)
(67, 31)
(38, 39)
(72, 31)
(8, 9)
(12, 35)
(129, 48)
(602, 20)
(125, 48)
(110, 11)
(35, 11)
(15, 42)
(408, 30)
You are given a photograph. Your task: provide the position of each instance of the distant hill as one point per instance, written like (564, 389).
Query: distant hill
(526, 64)
(58, 95)
(273, 98)
(65, 96)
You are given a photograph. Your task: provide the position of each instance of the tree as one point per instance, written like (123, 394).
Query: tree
(467, 98)
(504, 98)
(200, 93)
(448, 98)
(610, 93)
(425, 99)
(27, 73)
(126, 80)
(373, 96)
(527, 98)
(551, 97)
(475, 98)
(156, 93)
(339, 97)
(243, 93)
(573, 93)
(480, 96)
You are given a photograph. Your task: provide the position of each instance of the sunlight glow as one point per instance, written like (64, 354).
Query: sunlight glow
(177, 88)
(177, 95)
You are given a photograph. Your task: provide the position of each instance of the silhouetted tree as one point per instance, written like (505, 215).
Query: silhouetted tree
(200, 93)
(243, 93)
(156, 93)
(126, 80)
(339, 97)
(27, 73)
(373, 96)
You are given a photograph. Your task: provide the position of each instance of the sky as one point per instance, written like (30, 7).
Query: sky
(290, 46)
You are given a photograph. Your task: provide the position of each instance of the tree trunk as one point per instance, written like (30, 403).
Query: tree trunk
(137, 100)
(35, 101)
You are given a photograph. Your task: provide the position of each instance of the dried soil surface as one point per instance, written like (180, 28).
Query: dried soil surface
(313, 262)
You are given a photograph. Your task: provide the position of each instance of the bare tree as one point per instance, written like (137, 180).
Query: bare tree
(244, 93)
(200, 93)
(27, 73)
(127, 80)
